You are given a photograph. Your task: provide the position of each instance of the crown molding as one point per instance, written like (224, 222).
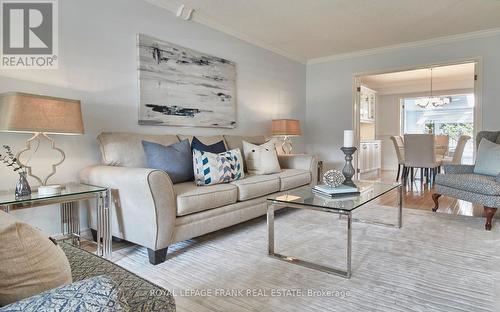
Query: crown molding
(422, 43)
(199, 18)
(204, 20)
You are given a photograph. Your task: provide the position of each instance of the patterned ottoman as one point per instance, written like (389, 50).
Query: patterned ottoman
(140, 294)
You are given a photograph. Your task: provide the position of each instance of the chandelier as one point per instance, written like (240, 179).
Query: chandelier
(432, 101)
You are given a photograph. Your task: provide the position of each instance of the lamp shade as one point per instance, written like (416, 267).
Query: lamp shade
(23, 112)
(286, 127)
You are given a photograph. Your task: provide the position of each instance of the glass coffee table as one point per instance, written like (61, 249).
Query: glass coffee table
(304, 198)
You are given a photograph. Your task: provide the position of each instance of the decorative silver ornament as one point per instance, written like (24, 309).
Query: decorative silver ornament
(333, 178)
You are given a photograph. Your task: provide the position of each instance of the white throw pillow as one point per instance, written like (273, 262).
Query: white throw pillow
(488, 158)
(261, 159)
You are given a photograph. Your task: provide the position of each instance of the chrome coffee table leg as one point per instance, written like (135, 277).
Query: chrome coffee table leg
(270, 229)
(270, 246)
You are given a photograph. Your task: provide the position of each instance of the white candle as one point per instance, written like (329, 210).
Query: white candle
(348, 138)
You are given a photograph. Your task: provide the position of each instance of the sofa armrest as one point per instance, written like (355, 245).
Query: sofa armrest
(457, 169)
(301, 161)
(143, 204)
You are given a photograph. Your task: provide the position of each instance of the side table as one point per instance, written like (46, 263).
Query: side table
(68, 199)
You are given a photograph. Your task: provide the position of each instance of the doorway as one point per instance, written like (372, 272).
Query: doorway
(441, 99)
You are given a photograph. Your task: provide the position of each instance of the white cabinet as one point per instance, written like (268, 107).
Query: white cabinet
(370, 156)
(368, 99)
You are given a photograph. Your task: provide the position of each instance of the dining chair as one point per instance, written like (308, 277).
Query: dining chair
(442, 144)
(420, 154)
(400, 152)
(458, 153)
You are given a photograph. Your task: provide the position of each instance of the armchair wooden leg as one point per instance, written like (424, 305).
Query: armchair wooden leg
(435, 198)
(399, 171)
(489, 213)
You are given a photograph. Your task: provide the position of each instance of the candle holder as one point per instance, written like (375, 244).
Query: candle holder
(348, 170)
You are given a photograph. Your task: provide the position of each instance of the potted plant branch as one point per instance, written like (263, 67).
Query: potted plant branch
(10, 161)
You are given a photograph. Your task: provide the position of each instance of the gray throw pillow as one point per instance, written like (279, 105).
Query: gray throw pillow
(488, 158)
(175, 159)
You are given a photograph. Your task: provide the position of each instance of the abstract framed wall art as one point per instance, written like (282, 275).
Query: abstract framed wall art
(182, 87)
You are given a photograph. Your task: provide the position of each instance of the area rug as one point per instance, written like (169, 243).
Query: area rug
(436, 262)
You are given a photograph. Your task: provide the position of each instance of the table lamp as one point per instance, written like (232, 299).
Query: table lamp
(286, 128)
(40, 115)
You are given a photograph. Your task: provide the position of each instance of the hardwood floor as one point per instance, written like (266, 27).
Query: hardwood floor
(418, 196)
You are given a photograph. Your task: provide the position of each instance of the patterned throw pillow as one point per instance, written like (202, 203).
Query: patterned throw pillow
(97, 294)
(212, 168)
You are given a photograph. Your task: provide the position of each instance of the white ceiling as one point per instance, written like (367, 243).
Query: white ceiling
(452, 77)
(310, 29)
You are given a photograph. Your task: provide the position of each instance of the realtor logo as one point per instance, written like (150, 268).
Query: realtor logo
(29, 34)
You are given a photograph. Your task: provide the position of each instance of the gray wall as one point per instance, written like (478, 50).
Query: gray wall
(330, 85)
(98, 60)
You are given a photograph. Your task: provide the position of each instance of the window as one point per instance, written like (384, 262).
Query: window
(453, 119)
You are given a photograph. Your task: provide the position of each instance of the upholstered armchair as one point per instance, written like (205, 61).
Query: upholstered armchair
(460, 181)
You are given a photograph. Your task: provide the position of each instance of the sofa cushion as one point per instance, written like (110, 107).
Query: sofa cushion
(475, 183)
(30, 262)
(97, 294)
(175, 159)
(125, 149)
(253, 186)
(216, 148)
(192, 198)
(207, 140)
(292, 178)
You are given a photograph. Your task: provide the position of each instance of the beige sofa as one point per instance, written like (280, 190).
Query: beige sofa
(151, 211)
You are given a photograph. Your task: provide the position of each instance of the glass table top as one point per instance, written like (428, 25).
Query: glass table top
(304, 196)
(9, 198)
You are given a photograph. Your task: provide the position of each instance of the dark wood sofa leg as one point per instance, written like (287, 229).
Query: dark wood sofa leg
(157, 256)
(435, 198)
(94, 235)
(489, 213)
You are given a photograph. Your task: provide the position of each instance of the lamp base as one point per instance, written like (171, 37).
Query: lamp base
(37, 136)
(46, 190)
(287, 145)
(348, 170)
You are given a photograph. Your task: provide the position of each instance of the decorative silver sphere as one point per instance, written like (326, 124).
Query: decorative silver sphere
(333, 178)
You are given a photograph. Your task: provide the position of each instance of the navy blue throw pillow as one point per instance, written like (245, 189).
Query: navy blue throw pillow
(215, 148)
(175, 159)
